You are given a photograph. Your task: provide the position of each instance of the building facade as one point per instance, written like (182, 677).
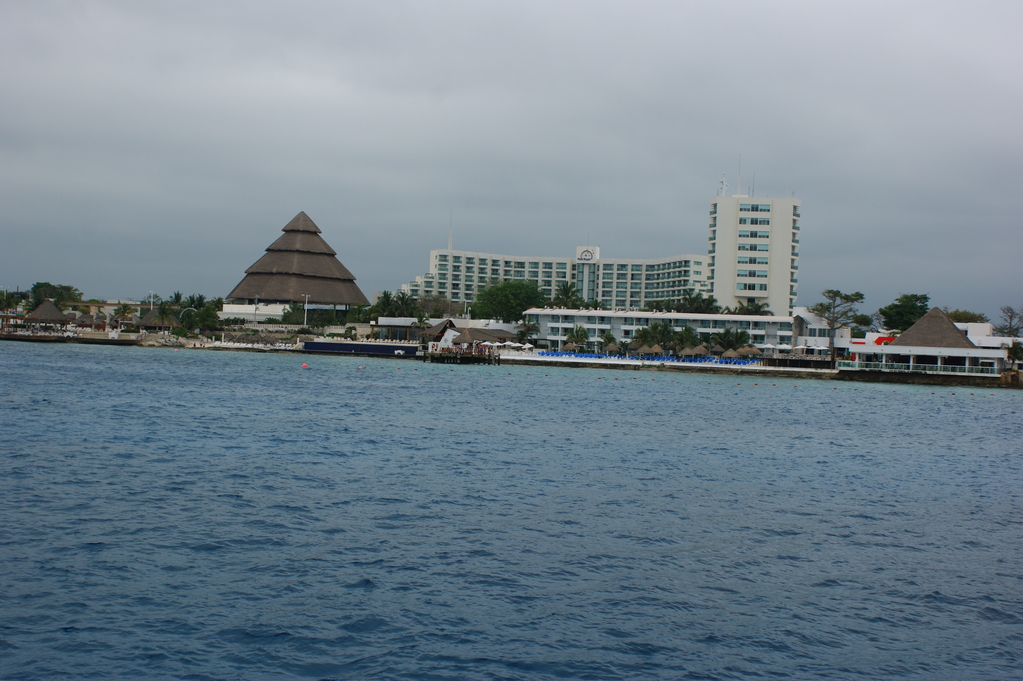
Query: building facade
(764, 331)
(617, 283)
(754, 251)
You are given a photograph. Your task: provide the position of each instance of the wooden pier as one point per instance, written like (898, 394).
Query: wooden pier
(461, 358)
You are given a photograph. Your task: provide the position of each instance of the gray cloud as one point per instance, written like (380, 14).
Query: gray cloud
(161, 146)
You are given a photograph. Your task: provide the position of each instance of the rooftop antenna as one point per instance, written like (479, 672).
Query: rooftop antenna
(451, 222)
(753, 187)
(738, 184)
(723, 186)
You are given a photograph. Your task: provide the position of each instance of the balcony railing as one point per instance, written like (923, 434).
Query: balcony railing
(923, 368)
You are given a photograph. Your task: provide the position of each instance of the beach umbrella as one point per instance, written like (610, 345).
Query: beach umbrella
(657, 349)
(784, 346)
(729, 354)
(568, 346)
(717, 349)
(700, 350)
(612, 348)
(644, 349)
(751, 350)
(527, 346)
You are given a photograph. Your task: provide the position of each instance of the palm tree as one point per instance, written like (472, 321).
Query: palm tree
(196, 300)
(607, 338)
(123, 311)
(644, 336)
(527, 330)
(176, 299)
(730, 339)
(686, 338)
(566, 295)
(694, 302)
(165, 313)
(405, 305)
(755, 308)
(384, 307)
(578, 336)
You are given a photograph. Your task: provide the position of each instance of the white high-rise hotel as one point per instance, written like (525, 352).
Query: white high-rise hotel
(754, 251)
(751, 258)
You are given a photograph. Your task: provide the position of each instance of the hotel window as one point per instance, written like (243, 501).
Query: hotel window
(442, 258)
(442, 277)
(608, 275)
(753, 247)
(456, 258)
(507, 273)
(534, 265)
(637, 268)
(456, 268)
(470, 268)
(546, 282)
(755, 207)
(548, 266)
(494, 272)
(562, 266)
(469, 277)
(442, 268)
(456, 277)
(520, 273)
(562, 275)
(483, 262)
(442, 286)
(623, 268)
(470, 260)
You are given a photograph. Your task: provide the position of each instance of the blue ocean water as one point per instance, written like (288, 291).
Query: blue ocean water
(217, 515)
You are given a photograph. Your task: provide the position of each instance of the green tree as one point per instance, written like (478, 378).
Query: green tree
(755, 308)
(357, 314)
(730, 339)
(165, 313)
(1012, 322)
(196, 300)
(566, 295)
(578, 336)
(405, 305)
(124, 312)
(508, 300)
(61, 294)
(607, 338)
(686, 338)
(904, 312)
(1014, 353)
(838, 311)
(384, 305)
(527, 331)
(176, 299)
(437, 306)
(695, 302)
(965, 316)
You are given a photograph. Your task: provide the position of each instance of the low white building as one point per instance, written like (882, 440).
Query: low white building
(934, 344)
(555, 323)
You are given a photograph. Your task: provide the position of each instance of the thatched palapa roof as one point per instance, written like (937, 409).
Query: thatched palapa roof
(300, 263)
(47, 312)
(934, 330)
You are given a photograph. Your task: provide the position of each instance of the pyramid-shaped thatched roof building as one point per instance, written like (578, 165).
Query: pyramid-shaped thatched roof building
(934, 330)
(300, 263)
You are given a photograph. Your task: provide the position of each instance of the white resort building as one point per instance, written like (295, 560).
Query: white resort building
(751, 258)
(618, 283)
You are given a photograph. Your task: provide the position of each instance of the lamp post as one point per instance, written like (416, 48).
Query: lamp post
(150, 301)
(305, 310)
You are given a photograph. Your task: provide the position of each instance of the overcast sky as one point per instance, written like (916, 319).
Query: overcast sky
(162, 146)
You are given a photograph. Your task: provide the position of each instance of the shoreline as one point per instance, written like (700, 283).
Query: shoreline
(616, 364)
